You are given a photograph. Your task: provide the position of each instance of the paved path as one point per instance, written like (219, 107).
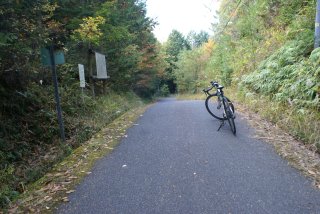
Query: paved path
(175, 161)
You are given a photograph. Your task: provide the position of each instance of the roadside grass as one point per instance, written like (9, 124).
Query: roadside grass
(302, 125)
(47, 193)
(294, 135)
(83, 118)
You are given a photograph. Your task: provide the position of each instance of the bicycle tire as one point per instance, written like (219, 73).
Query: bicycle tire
(229, 109)
(211, 106)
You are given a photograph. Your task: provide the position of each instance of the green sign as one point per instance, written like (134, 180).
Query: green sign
(45, 57)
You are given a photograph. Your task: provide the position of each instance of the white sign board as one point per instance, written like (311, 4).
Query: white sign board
(81, 76)
(101, 66)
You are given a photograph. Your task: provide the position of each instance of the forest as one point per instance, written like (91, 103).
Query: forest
(29, 134)
(262, 50)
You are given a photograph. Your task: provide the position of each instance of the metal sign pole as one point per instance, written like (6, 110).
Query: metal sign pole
(82, 93)
(56, 93)
(82, 79)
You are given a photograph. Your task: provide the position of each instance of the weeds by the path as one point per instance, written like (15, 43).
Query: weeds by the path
(54, 188)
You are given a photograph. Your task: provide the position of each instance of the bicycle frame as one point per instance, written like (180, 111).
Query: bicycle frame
(222, 100)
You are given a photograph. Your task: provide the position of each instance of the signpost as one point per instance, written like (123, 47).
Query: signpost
(46, 58)
(101, 66)
(81, 76)
(101, 69)
(82, 79)
(50, 58)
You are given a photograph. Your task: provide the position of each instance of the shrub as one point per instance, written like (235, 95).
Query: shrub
(164, 90)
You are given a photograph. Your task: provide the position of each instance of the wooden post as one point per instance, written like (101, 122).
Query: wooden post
(104, 86)
(91, 79)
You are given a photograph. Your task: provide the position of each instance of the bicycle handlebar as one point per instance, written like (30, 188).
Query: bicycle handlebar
(214, 84)
(207, 90)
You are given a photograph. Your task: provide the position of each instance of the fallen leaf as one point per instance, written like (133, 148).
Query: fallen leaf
(58, 174)
(44, 189)
(65, 182)
(107, 147)
(56, 188)
(65, 199)
(31, 210)
(47, 198)
(70, 191)
(67, 173)
(311, 172)
(73, 177)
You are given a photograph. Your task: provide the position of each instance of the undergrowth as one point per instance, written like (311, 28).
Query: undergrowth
(290, 76)
(285, 89)
(29, 137)
(303, 125)
(44, 195)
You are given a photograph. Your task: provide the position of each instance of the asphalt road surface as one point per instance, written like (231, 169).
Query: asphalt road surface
(175, 161)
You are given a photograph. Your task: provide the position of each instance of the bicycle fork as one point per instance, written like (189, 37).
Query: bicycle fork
(224, 113)
(219, 103)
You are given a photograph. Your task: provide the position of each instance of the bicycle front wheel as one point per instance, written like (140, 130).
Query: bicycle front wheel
(229, 109)
(214, 107)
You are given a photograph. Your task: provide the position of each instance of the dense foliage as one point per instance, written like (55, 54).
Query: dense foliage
(264, 50)
(288, 76)
(29, 135)
(176, 45)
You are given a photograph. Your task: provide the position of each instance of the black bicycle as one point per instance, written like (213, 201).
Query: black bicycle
(219, 106)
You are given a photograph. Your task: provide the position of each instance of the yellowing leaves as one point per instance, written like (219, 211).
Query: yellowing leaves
(89, 30)
(208, 48)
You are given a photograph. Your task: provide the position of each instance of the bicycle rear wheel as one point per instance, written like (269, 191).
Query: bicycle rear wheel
(229, 109)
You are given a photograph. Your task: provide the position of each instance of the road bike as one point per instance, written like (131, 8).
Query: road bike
(219, 106)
